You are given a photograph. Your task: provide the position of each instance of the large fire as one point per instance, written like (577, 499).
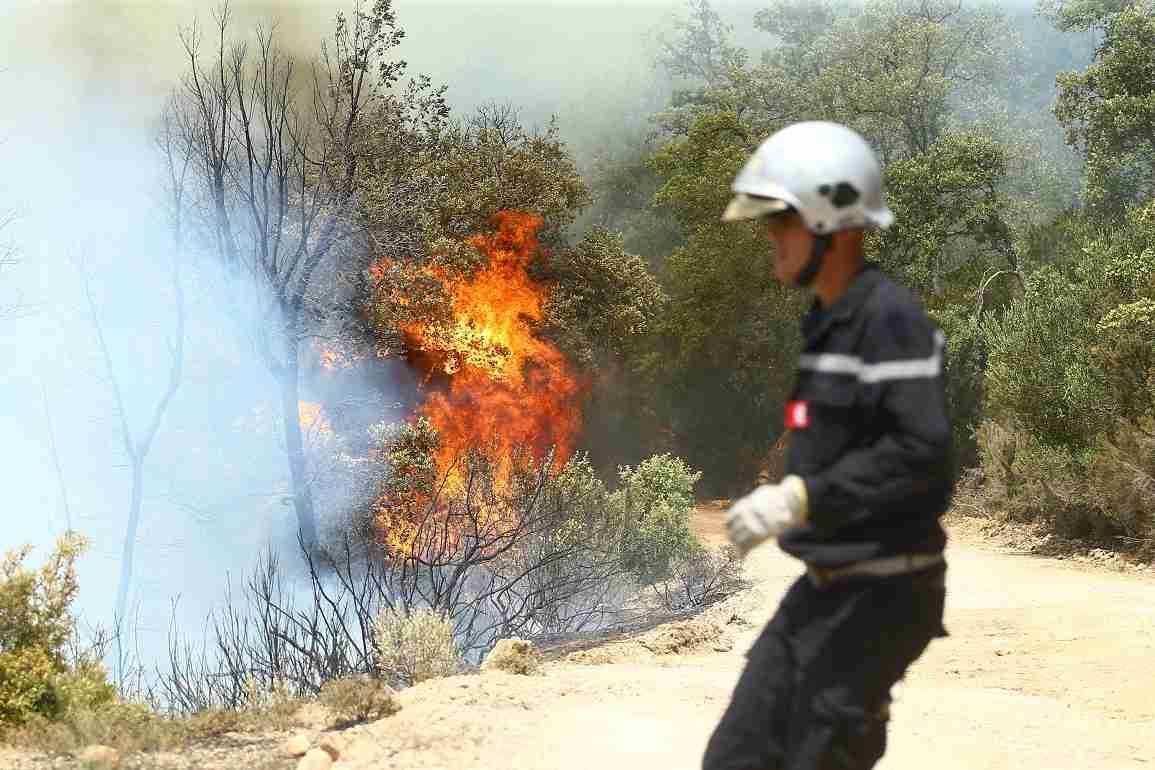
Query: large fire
(500, 385)
(490, 382)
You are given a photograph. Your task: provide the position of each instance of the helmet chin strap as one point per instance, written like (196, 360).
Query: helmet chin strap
(810, 270)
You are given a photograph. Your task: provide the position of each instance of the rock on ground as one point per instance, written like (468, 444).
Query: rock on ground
(100, 757)
(514, 656)
(315, 759)
(298, 745)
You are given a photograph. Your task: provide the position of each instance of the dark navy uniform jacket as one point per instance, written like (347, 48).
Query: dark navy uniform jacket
(869, 430)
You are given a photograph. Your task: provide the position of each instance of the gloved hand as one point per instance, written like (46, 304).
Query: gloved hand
(766, 513)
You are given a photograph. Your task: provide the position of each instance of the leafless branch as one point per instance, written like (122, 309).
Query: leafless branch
(136, 447)
(276, 158)
(56, 458)
(535, 559)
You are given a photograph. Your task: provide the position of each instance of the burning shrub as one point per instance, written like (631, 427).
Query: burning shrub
(38, 676)
(513, 548)
(482, 492)
(489, 376)
(523, 547)
(414, 647)
(489, 545)
(503, 546)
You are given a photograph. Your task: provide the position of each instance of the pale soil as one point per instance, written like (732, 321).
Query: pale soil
(1050, 664)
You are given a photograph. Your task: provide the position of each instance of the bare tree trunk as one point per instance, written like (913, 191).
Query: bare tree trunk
(982, 292)
(288, 379)
(127, 557)
(56, 459)
(279, 177)
(7, 257)
(136, 448)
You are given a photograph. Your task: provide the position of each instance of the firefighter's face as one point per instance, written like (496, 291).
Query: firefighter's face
(793, 244)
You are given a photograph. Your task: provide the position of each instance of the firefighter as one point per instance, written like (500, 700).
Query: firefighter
(868, 472)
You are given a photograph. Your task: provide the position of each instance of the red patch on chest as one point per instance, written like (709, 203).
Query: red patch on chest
(797, 415)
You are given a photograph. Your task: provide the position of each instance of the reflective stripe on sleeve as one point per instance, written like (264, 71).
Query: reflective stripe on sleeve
(883, 371)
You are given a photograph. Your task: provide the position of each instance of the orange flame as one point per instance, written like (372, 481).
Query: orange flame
(333, 357)
(505, 384)
(313, 421)
(491, 382)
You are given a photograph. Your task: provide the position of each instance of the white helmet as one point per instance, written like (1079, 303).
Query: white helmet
(825, 171)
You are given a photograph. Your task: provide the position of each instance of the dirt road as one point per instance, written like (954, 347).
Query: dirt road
(1048, 665)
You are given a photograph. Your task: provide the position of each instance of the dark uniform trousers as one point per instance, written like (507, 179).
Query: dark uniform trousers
(870, 436)
(815, 692)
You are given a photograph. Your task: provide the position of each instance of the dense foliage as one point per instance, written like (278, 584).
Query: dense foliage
(1035, 257)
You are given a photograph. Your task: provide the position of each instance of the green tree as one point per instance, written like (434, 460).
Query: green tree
(602, 298)
(1125, 344)
(1074, 357)
(699, 53)
(948, 223)
(1052, 389)
(1071, 15)
(723, 354)
(1070, 388)
(623, 185)
(1108, 109)
(491, 162)
(422, 210)
(894, 70)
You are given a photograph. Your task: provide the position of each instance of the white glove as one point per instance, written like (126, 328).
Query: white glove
(766, 513)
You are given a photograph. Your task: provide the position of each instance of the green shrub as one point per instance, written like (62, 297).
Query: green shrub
(1041, 373)
(415, 646)
(966, 353)
(1122, 477)
(38, 676)
(1099, 493)
(126, 727)
(653, 503)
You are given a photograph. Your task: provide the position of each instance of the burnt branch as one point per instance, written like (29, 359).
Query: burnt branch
(498, 552)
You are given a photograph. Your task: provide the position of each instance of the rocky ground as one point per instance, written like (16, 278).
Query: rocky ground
(1049, 665)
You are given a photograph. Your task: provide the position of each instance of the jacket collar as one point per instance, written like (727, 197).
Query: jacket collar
(818, 319)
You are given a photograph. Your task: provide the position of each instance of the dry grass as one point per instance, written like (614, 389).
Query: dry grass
(414, 646)
(132, 728)
(357, 699)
